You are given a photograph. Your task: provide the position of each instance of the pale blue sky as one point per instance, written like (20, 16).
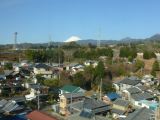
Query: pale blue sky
(35, 20)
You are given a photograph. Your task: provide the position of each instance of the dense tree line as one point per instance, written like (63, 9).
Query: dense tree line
(51, 55)
(93, 53)
(148, 54)
(91, 78)
(128, 52)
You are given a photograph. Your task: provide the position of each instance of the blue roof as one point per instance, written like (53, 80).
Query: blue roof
(113, 96)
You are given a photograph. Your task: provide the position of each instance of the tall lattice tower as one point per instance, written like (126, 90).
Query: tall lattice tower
(15, 41)
(99, 39)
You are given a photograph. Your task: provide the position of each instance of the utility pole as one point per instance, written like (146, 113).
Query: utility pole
(59, 60)
(15, 40)
(101, 89)
(38, 92)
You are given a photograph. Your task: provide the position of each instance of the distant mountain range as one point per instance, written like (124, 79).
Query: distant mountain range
(155, 37)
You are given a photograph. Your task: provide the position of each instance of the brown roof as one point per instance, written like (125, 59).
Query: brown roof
(37, 115)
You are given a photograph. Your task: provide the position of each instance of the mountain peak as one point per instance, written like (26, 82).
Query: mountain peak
(73, 39)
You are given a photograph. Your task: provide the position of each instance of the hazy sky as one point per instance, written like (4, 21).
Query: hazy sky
(35, 20)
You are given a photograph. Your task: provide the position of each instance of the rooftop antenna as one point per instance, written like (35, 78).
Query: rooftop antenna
(15, 41)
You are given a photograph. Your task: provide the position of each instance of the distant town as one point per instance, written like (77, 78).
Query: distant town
(73, 81)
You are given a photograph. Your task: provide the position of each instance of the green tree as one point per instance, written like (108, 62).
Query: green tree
(155, 66)
(78, 79)
(139, 64)
(51, 82)
(8, 66)
(100, 70)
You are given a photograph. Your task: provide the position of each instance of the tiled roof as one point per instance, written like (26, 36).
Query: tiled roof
(121, 102)
(141, 114)
(40, 65)
(130, 81)
(93, 104)
(3, 102)
(37, 115)
(133, 90)
(142, 96)
(120, 112)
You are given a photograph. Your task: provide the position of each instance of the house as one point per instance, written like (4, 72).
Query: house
(152, 105)
(36, 89)
(71, 89)
(66, 101)
(111, 97)
(24, 63)
(138, 97)
(91, 63)
(128, 92)
(92, 107)
(140, 55)
(38, 115)
(121, 108)
(43, 69)
(127, 83)
(148, 80)
(141, 114)
(74, 68)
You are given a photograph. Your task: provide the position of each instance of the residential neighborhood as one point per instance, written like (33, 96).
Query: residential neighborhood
(79, 60)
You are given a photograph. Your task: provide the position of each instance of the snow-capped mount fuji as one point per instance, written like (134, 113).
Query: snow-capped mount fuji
(73, 39)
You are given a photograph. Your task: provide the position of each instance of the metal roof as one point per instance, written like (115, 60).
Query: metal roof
(113, 96)
(70, 88)
(74, 95)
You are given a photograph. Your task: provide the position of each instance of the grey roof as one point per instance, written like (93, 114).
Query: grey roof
(141, 114)
(133, 90)
(78, 117)
(74, 95)
(142, 87)
(130, 81)
(93, 104)
(34, 86)
(119, 112)
(11, 105)
(8, 72)
(3, 102)
(19, 99)
(121, 102)
(142, 96)
(40, 65)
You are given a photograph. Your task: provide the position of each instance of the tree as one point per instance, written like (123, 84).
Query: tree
(51, 82)
(139, 64)
(8, 66)
(100, 70)
(155, 66)
(78, 79)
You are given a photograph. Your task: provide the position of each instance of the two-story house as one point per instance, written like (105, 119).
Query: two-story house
(43, 69)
